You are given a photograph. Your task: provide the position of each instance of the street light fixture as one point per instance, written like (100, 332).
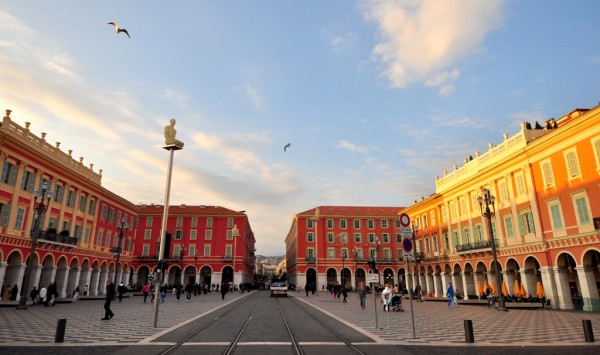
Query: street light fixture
(488, 200)
(122, 230)
(235, 232)
(415, 229)
(38, 216)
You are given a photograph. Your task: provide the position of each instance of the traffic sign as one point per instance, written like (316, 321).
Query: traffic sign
(372, 278)
(407, 245)
(405, 232)
(404, 220)
(409, 255)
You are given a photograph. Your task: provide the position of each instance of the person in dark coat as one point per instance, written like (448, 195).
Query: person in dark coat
(110, 295)
(33, 294)
(121, 290)
(224, 290)
(14, 292)
(51, 294)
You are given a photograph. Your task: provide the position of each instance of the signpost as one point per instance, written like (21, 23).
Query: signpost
(407, 245)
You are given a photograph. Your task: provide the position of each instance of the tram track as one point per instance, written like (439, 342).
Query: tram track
(293, 316)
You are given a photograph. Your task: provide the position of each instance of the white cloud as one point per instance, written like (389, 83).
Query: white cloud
(420, 41)
(352, 147)
(253, 94)
(176, 97)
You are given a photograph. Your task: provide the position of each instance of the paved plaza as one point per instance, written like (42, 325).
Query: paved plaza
(435, 324)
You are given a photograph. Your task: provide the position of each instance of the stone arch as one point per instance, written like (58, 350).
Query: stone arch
(331, 275)
(206, 275)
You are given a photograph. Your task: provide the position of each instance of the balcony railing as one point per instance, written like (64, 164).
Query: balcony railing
(57, 238)
(227, 258)
(310, 260)
(484, 244)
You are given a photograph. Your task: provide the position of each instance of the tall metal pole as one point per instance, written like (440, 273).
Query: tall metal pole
(488, 199)
(171, 145)
(122, 226)
(316, 218)
(378, 280)
(235, 232)
(414, 237)
(38, 217)
(412, 315)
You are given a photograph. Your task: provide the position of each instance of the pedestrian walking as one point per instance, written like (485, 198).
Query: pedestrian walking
(121, 290)
(189, 288)
(489, 296)
(14, 292)
(85, 290)
(386, 297)
(163, 293)
(76, 294)
(33, 294)
(224, 289)
(362, 294)
(178, 291)
(146, 291)
(306, 288)
(42, 296)
(110, 295)
(450, 295)
(344, 293)
(51, 295)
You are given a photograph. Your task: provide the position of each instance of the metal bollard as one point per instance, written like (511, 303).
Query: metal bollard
(588, 331)
(60, 331)
(469, 331)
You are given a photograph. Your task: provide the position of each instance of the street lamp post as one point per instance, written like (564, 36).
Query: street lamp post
(343, 267)
(373, 265)
(122, 230)
(316, 220)
(415, 229)
(37, 224)
(488, 200)
(235, 232)
(355, 254)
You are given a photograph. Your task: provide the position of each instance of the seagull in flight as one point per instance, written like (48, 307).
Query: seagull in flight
(285, 147)
(117, 29)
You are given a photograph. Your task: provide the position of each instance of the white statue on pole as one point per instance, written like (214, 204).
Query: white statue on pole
(170, 133)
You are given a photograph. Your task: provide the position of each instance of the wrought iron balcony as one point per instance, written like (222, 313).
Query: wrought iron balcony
(484, 244)
(310, 260)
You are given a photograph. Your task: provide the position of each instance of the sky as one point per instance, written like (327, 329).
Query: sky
(377, 98)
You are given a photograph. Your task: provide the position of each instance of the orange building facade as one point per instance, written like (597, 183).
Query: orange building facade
(546, 184)
(84, 222)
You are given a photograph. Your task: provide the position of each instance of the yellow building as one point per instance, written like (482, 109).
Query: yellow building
(545, 181)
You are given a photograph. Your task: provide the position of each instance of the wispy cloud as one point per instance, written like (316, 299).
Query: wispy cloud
(352, 147)
(253, 94)
(421, 41)
(176, 97)
(341, 41)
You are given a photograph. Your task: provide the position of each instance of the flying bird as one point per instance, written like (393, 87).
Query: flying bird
(285, 147)
(117, 29)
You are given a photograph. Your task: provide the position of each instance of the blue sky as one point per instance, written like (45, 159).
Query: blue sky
(376, 97)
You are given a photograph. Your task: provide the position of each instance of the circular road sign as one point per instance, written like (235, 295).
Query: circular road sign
(404, 220)
(407, 245)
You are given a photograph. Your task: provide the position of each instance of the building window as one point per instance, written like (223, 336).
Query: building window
(434, 243)
(384, 223)
(330, 253)
(179, 222)
(330, 224)
(357, 238)
(425, 221)
(99, 238)
(9, 173)
(444, 214)
(194, 222)
(229, 235)
(209, 222)
(82, 203)
(373, 254)
(4, 214)
(77, 232)
(446, 241)
(310, 253)
(478, 233)
(178, 235)
(385, 237)
(230, 222)
(86, 236)
(111, 215)
(547, 175)
(145, 250)
(370, 224)
(330, 237)
(465, 236)
(310, 237)
(455, 238)
(398, 238)
(19, 220)
(148, 234)
(572, 164)
(28, 180)
(508, 225)
(208, 235)
(310, 223)
(582, 208)
(371, 237)
(556, 217)
(92, 207)
(192, 251)
(148, 220)
(520, 182)
(193, 235)
(207, 250)
(176, 251)
(387, 254)
(71, 198)
(344, 237)
(357, 224)
(432, 214)
(107, 239)
(59, 192)
(228, 251)
(526, 225)
(343, 223)
(453, 211)
(359, 253)
(503, 191)
(596, 148)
